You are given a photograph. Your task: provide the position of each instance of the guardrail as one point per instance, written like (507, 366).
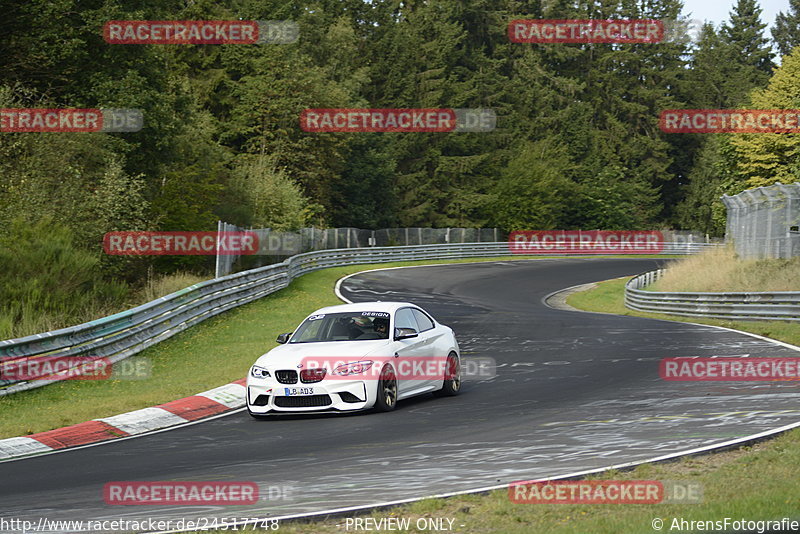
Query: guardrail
(760, 306)
(124, 334)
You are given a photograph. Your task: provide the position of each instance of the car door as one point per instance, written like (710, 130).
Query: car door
(429, 335)
(408, 354)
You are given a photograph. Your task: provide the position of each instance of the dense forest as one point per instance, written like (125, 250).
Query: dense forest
(577, 143)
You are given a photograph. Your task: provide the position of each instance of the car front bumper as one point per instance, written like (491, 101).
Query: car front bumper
(266, 395)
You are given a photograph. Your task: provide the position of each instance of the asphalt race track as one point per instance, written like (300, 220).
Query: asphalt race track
(573, 391)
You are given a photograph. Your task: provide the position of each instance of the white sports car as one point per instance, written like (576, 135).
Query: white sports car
(343, 358)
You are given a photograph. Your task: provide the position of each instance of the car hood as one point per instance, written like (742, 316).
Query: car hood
(290, 355)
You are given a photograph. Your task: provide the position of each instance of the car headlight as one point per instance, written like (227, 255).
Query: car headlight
(259, 372)
(353, 368)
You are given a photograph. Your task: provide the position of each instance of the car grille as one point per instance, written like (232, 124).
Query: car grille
(261, 400)
(311, 376)
(287, 376)
(302, 401)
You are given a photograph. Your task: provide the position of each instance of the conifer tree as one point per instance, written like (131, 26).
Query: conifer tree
(786, 31)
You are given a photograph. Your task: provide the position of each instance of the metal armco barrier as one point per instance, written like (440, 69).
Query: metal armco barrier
(126, 333)
(756, 306)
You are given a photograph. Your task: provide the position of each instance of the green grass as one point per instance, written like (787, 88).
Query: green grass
(608, 297)
(720, 270)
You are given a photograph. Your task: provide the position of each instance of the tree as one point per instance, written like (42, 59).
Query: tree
(766, 158)
(726, 67)
(786, 31)
(713, 175)
(534, 191)
(711, 72)
(748, 48)
(273, 199)
(366, 196)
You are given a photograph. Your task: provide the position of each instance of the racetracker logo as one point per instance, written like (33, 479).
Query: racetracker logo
(180, 243)
(70, 120)
(398, 120)
(689, 369)
(585, 31)
(605, 492)
(315, 369)
(180, 493)
(730, 121)
(200, 32)
(580, 242)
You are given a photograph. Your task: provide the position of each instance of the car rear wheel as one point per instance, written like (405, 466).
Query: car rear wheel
(386, 399)
(452, 377)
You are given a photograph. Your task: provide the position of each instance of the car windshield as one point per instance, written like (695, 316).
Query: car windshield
(345, 326)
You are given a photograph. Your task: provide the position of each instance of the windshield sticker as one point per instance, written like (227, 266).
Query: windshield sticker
(315, 317)
(374, 314)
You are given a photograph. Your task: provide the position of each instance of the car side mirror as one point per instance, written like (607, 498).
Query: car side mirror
(404, 333)
(283, 338)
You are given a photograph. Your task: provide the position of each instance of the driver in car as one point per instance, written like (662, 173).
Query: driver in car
(381, 326)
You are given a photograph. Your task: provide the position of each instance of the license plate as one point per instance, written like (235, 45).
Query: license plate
(298, 391)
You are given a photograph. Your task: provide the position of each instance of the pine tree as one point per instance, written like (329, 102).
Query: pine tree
(710, 72)
(726, 67)
(786, 32)
(748, 48)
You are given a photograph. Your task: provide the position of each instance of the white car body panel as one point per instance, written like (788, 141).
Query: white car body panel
(437, 342)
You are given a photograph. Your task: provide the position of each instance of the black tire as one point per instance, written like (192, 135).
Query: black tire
(452, 378)
(386, 399)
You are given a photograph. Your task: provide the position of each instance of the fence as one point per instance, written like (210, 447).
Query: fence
(275, 246)
(765, 222)
(777, 306)
(124, 334)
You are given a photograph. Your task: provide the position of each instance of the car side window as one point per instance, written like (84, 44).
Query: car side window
(404, 318)
(423, 320)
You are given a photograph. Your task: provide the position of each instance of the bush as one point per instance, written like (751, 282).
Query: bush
(48, 282)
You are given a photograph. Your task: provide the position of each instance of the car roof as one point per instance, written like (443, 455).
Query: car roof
(390, 307)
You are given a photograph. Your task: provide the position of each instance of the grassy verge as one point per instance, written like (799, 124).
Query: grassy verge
(216, 351)
(719, 270)
(608, 297)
